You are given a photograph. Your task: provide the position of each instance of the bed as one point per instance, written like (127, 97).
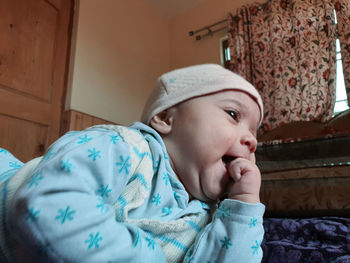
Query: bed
(306, 190)
(314, 240)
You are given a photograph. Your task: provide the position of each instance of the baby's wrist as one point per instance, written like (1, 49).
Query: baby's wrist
(247, 198)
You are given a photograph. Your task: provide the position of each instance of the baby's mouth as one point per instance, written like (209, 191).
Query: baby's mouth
(226, 159)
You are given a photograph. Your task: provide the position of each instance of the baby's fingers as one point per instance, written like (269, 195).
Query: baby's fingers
(247, 180)
(235, 171)
(238, 168)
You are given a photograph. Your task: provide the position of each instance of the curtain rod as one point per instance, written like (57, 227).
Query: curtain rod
(210, 31)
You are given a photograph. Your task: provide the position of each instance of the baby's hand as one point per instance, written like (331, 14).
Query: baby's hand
(246, 180)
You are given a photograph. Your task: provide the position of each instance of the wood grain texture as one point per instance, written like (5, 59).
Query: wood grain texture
(34, 44)
(307, 192)
(75, 120)
(24, 138)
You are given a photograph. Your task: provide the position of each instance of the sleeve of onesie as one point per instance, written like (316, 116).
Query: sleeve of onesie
(65, 213)
(9, 164)
(234, 235)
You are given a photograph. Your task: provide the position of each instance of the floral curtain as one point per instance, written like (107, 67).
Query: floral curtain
(286, 48)
(342, 8)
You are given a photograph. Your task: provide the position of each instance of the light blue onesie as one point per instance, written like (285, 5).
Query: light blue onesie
(109, 194)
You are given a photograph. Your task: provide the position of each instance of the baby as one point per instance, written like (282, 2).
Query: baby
(182, 186)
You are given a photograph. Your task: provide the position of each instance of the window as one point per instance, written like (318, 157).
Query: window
(225, 52)
(341, 101)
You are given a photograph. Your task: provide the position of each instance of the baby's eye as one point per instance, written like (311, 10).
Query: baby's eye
(234, 114)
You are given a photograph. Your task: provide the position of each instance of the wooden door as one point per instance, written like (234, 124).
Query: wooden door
(34, 41)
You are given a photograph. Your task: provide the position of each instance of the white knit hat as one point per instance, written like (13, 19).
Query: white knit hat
(185, 83)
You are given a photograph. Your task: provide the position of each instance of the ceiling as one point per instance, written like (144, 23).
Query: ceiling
(172, 8)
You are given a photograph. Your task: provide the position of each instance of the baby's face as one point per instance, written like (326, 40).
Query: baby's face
(208, 132)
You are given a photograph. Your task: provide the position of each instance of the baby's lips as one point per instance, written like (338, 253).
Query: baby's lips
(228, 159)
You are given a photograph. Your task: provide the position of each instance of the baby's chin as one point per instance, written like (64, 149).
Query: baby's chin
(213, 197)
(221, 192)
(201, 197)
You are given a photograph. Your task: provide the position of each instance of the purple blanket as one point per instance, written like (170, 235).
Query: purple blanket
(314, 240)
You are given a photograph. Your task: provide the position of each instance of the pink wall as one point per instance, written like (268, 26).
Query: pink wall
(185, 50)
(121, 47)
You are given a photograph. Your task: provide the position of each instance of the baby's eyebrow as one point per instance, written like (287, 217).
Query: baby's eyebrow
(239, 104)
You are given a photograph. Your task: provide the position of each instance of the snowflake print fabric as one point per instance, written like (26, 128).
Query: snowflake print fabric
(98, 196)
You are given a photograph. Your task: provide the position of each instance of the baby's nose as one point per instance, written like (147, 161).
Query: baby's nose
(250, 141)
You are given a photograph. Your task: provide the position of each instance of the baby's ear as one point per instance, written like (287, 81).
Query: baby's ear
(163, 121)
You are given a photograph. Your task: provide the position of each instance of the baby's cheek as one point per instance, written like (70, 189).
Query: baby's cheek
(252, 158)
(216, 186)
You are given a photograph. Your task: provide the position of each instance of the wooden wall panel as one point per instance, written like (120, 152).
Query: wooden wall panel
(75, 120)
